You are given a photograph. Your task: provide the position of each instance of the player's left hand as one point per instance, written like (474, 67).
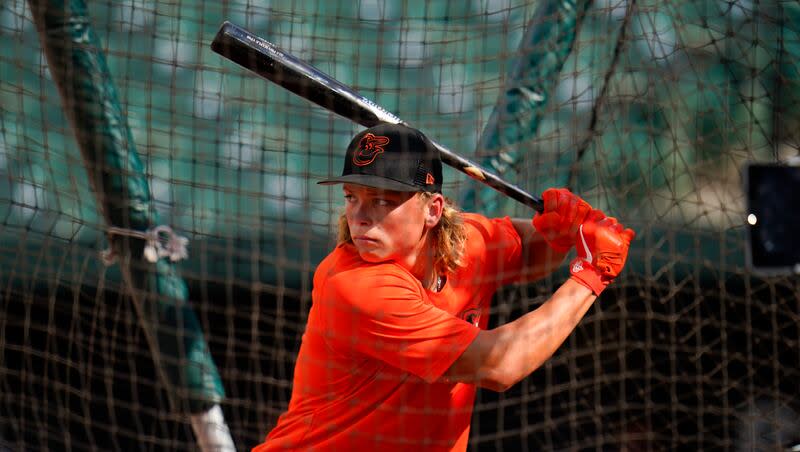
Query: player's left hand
(602, 247)
(563, 214)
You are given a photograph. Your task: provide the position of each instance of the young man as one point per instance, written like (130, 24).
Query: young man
(396, 340)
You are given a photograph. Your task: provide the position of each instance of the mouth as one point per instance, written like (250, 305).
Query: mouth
(364, 239)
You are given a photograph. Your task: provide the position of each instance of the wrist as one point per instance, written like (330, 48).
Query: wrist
(560, 248)
(588, 275)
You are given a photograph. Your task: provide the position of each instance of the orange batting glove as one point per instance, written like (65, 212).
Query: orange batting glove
(602, 248)
(563, 214)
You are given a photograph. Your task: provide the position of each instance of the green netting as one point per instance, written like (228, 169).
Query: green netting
(689, 350)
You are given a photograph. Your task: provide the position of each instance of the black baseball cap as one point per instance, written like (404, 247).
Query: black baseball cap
(392, 157)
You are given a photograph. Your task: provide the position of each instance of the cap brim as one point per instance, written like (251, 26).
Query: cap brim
(371, 181)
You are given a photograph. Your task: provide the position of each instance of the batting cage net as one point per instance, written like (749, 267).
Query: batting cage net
(125, 140)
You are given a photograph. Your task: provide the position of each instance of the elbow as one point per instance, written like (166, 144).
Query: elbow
(501, 371)
(500, 387)
(499, 381)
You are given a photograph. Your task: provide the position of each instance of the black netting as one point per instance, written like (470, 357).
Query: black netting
(652, 122)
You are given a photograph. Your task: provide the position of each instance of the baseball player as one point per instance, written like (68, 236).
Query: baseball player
(396, 340)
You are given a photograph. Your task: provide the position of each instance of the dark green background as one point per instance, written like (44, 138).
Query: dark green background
(672, 357)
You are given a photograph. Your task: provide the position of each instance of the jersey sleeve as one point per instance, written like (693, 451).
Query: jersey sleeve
(383, 314)
(495, 243)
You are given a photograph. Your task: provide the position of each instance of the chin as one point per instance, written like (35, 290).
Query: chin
(371, 257)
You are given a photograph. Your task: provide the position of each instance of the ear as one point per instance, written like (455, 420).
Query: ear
(434, 210)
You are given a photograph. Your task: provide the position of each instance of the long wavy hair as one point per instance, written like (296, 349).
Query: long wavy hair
(448, 236)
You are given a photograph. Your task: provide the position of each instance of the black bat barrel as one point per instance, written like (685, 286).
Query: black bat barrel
(299, 77)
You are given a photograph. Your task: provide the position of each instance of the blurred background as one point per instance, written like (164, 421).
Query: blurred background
(650, 110)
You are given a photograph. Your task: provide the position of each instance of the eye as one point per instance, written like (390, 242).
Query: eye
(349, 198)
(382, 202)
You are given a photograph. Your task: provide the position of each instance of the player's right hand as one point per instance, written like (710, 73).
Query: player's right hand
(562, 216)
(602, 247)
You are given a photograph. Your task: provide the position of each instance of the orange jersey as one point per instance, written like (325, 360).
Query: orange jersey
(367, 376)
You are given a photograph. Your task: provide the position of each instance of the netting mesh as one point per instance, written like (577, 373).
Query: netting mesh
(689, 349)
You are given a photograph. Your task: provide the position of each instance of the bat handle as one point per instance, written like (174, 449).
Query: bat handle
(474, 171)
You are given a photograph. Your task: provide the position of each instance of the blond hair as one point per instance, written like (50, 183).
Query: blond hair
(448, 236)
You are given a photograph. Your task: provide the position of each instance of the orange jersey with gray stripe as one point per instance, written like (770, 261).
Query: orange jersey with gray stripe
(368, 374)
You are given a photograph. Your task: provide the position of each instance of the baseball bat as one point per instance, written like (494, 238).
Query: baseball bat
(299, 77)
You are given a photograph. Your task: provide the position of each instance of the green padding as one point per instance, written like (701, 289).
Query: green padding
(79, 69)
(547, 43)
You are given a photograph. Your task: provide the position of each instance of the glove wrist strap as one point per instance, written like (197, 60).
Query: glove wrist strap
(588, 275)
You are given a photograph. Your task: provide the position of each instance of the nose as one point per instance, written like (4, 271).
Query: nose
(360, 214)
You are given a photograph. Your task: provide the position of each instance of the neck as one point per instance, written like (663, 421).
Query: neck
(423, 267)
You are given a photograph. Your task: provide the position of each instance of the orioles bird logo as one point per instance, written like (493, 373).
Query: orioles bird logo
(368, 148)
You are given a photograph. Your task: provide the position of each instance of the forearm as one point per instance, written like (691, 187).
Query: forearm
(539, 259)
(526, 343)
(499, 358)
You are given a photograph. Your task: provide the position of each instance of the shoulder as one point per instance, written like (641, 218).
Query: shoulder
(344, 276)
(488, 229)
(492, 245)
